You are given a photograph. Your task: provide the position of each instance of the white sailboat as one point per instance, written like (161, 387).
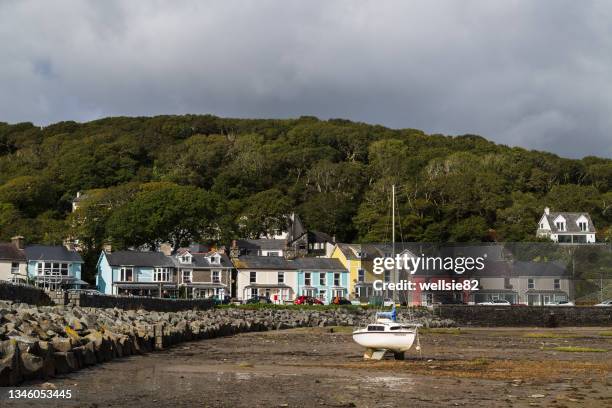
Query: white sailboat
(386, 334)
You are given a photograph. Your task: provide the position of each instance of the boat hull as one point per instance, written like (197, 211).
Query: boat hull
(395, 341)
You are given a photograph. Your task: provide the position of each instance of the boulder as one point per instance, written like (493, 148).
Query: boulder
(65, 362)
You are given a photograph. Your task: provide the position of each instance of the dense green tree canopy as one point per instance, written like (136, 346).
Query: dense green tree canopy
(181, 177)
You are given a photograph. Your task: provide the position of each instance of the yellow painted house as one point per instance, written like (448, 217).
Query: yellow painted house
(358, 259)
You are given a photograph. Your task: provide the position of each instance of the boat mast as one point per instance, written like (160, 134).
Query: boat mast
(393, 239)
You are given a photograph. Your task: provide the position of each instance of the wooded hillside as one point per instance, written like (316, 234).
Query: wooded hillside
(188, 177)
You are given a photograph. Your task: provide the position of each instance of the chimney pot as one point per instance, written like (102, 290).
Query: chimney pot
(18, 241)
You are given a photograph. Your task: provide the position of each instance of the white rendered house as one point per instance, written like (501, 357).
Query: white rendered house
(567, 227)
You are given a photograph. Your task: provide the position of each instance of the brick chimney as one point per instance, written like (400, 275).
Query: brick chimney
(18, 241)
(166, 249)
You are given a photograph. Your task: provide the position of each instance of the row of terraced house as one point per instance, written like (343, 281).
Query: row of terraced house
(297, 262)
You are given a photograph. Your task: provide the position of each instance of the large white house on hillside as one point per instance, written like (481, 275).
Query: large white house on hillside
(567, 227)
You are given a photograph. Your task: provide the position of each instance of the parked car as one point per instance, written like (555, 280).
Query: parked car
(605, 303)
(340, 301)
(258, 299)
(495, 302)
(307, 300)
(388, 302)
(225, 301)
(562, 303)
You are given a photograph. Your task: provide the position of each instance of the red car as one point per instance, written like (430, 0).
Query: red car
(307, 300)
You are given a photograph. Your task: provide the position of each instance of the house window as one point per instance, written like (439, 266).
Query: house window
(387, 276)
(52, 268)
(361, 275)
(583, 226)
(187, 276)
(281, 277)
(253, 277)
(507, 284)
(273, 253)
(307, 280)
(216, 276)
(557, 284)
(323, 295)
(126, 274)
(253, 292)
(530, 284)
(322, 280)
(560, 225)
(542, 226)
(161, 275)
(336, 279)
(15, 267)
(185, 259)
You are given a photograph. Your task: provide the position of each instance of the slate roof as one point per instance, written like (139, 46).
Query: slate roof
(324, 264)
(263, 262)
(554, 268)
(318, 236)
(570, 222)
(139, 258)
(201, 261)
(9, 252)
(51, 253)
(251, 245)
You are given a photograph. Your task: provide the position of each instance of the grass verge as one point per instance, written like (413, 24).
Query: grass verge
(574, 349)
(549, 335)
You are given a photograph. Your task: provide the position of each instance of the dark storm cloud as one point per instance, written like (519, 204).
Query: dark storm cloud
(529, 73)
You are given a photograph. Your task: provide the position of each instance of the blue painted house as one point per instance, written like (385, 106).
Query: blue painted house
(322, 278)
(140, 273)
(54, 266)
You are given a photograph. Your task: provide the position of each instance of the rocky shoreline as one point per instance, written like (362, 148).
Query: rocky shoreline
(39, 342)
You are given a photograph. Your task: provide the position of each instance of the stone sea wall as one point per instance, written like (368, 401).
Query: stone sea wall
(135, 303)
(23, 293)
(540, 316)
(37, 342)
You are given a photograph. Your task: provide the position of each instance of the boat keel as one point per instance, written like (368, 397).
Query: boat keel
(372, 354)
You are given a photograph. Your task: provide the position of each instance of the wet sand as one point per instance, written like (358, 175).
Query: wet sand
(319, 368)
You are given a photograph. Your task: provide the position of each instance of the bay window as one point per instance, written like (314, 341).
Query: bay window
(161, 275)
(52, 268)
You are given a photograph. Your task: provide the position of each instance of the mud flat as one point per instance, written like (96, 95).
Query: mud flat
(319, 367)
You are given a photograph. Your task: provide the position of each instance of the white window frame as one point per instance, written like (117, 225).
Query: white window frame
(337, 279)
(50, 268)
(123, 274)
(360, 275)
(584, 226)
(322, 279)
(252, 277)
(161, 274)
(280, 277)
(530, 283)
(556, 284)
(216, 276)
(307, 279)
(187, 272)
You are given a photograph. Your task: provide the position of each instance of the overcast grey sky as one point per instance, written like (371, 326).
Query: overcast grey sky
(530, 73)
